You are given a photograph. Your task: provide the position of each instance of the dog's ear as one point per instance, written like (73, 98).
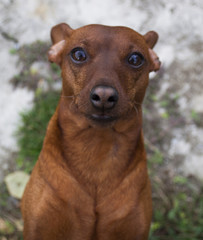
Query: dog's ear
(59, 33)
(151, 39)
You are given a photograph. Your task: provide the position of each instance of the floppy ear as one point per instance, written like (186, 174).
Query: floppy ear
(59, 33)
(151, 39)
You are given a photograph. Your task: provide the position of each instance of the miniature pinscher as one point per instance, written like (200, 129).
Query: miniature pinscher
(90, 181)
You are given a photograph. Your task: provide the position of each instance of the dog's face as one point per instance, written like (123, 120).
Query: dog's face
(105, 69)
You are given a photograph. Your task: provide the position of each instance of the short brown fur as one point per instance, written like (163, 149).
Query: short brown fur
(90, 181)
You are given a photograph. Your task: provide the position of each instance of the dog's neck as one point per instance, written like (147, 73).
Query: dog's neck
(98, 155)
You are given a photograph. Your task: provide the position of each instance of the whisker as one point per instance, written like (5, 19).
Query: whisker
(71, 104)
(67, 96)
(82, 105)
(136, 110)
(137, 103)
(70, 97)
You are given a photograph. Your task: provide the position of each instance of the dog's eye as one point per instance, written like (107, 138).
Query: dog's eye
(78, 55)
(136, 60)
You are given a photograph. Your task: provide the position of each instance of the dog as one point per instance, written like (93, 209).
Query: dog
(90, 181)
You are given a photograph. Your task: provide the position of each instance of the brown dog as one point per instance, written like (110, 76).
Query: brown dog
(91, 181)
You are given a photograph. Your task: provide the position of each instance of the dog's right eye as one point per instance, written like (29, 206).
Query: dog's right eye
(78, 55)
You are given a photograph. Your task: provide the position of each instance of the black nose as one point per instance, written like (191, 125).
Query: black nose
(104, 97)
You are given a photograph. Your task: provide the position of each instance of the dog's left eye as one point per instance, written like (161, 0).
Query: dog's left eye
(78, 55)
(136, 60)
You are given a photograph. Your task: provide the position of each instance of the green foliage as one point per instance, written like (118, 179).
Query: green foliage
(157, 157)
(183, 220)
(32, 131)
(4, 196)
(194, 115)
(180, 180)
(177, 201)
(165, 115)
(8, 206)
(56, 69)
(27, 55)
(13, 51)
(197, 118)
(9, 228)
(37, 51)
(178, 206)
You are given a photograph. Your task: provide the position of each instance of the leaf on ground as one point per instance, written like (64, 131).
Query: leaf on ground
(16, 183)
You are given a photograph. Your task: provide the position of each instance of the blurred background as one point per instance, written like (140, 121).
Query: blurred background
(173, 107)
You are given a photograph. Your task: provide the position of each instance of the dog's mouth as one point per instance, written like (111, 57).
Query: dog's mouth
(101, 118)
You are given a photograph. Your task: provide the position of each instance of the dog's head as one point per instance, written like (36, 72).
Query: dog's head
(105, 69)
